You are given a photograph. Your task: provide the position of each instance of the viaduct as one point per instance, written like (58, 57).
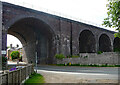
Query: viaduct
(49, 34)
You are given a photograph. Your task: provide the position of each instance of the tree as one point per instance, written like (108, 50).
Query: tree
(15, 55)
(113, 18)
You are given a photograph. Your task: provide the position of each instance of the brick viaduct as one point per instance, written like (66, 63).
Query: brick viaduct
(48, 34)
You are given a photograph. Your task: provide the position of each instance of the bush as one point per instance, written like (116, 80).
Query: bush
(85, 56)
(59, 56)
(75, 56)
(99, 52)
(15, 55)
(4, 59)
(116, 49)
(68, 56)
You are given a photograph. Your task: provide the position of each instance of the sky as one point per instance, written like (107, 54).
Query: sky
(88, 11)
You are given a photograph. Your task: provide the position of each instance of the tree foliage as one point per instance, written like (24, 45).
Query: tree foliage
(15, 55)
(113, 17)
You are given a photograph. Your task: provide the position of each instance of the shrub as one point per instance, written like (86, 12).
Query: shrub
(20, 58)
(15, 55)
(59, 56)
(116, 49)
(99, 52)
(4, 59)
(75, 56)
(85, 56)
(68, 56)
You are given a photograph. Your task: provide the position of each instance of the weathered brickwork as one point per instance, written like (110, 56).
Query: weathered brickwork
(48, 34)
(0, 35)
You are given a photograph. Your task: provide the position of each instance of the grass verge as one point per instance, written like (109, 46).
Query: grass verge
(91, 65)
(35, 78)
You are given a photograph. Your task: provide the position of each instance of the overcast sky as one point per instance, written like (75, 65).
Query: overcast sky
(90, 11)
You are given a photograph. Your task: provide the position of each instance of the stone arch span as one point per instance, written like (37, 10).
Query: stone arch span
(87, 42)
(35, 36)
(116, 44)
(104, 43)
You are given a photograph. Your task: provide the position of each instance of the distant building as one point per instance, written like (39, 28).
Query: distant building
(21, 50)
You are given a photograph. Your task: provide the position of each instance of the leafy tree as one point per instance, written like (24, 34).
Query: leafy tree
(113, 18)
(15, 55)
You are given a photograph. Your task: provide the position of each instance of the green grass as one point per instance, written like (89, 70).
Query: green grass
(91, 65)
(35, 78)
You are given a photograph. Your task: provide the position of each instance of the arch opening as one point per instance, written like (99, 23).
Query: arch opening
(87, 42)
(104, 43)
(116, 44)
(14, 44)
(36, 37)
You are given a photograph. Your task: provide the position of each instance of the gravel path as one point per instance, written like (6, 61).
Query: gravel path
(70, 77)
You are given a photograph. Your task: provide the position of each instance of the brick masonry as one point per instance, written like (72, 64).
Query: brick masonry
(53, 34)
(0, 35)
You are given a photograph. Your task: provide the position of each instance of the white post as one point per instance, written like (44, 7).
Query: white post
(36, 55)
(36, 61)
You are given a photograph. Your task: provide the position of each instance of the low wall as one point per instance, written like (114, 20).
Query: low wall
(16, 76)
(93, 58)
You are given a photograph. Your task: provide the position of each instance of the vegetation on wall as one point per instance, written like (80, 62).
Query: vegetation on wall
(116, 49)
(99, 52)
(91, 65)
(59, 56)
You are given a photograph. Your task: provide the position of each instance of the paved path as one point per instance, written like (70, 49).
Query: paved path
(61, 74)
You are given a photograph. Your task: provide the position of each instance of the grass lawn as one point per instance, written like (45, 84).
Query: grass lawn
(35, 78)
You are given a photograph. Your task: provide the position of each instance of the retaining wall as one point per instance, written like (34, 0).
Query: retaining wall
(93, 58)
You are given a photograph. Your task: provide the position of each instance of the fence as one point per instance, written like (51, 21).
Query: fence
(17, 76)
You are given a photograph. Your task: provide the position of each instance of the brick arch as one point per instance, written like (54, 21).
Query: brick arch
(20, 17)
(19, 36)
(105, 43)
(31, 30)
(116, 44)
(87, 42)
